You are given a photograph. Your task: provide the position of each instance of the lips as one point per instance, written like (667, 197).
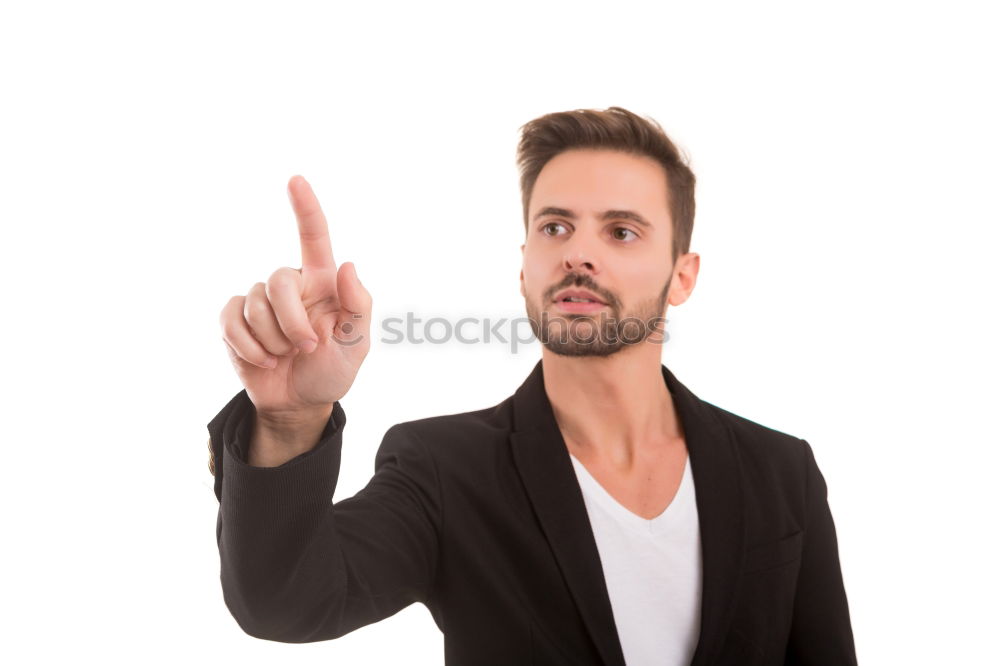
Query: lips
(578, 294)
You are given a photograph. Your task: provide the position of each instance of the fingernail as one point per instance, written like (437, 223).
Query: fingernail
(307, 346)
(271, 362)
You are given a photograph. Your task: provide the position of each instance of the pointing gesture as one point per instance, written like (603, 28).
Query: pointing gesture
(313, 233)
(298, 340)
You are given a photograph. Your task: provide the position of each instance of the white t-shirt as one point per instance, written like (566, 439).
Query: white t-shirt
(653, 572)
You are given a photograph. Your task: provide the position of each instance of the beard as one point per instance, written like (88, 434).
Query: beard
(602, 334)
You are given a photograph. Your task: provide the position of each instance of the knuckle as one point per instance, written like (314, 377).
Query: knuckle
(257, 292)
(256, 310)
(234, 304)
(280, 278)
(228, 326)
(309, 210)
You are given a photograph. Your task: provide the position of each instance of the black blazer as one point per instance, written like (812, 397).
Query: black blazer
(479, 516)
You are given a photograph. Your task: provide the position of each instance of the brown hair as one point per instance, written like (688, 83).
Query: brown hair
(614, 128)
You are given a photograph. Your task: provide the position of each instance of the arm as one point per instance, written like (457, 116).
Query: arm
(821, 625)
(297, 568)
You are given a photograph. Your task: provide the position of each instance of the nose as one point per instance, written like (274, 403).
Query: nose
(578, 263)
(579, 257)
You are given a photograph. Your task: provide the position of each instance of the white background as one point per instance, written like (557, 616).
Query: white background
(846, 156)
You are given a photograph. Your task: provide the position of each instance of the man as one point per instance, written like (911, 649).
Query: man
(603, 514)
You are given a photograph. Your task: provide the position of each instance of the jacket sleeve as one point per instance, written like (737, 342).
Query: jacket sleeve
(297, 568)
(821, 624)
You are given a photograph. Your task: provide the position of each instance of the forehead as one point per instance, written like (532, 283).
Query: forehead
(592, 180)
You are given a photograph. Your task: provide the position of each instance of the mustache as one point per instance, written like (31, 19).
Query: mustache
(582, 282)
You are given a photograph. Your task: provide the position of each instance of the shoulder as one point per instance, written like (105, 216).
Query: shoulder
(464, 447)
(455, 433)
(494, 420)
(763, 446)
(748, 430)
(775, 468)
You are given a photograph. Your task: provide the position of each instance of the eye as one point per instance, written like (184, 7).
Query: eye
(548, 225)
(623, 229)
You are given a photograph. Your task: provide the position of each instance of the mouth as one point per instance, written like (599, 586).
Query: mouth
(581, 302)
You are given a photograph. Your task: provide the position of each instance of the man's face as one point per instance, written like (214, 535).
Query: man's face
(625, 263)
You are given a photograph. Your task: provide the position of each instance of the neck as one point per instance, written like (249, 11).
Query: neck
(614, 407)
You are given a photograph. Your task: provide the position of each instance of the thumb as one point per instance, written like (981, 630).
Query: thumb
(355, 304)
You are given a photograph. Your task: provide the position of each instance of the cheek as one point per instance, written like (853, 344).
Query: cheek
(531, 280)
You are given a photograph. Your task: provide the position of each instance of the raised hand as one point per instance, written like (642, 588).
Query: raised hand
(298, 340)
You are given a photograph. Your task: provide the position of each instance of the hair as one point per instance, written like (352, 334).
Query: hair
(618, 129)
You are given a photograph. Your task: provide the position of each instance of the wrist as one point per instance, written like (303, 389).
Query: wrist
(280, 421)
(279, 437)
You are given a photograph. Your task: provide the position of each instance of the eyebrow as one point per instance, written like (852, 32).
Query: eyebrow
(606, 215)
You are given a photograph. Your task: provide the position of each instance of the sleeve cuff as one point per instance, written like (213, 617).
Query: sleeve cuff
(230, 433)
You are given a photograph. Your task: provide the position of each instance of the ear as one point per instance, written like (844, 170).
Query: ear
(685, 277)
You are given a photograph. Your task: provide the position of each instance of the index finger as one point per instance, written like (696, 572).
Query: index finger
(314, 235)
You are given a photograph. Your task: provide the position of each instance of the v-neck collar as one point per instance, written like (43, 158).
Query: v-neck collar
(650, 527)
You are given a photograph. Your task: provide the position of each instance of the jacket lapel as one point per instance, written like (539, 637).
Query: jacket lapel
(543, 462)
